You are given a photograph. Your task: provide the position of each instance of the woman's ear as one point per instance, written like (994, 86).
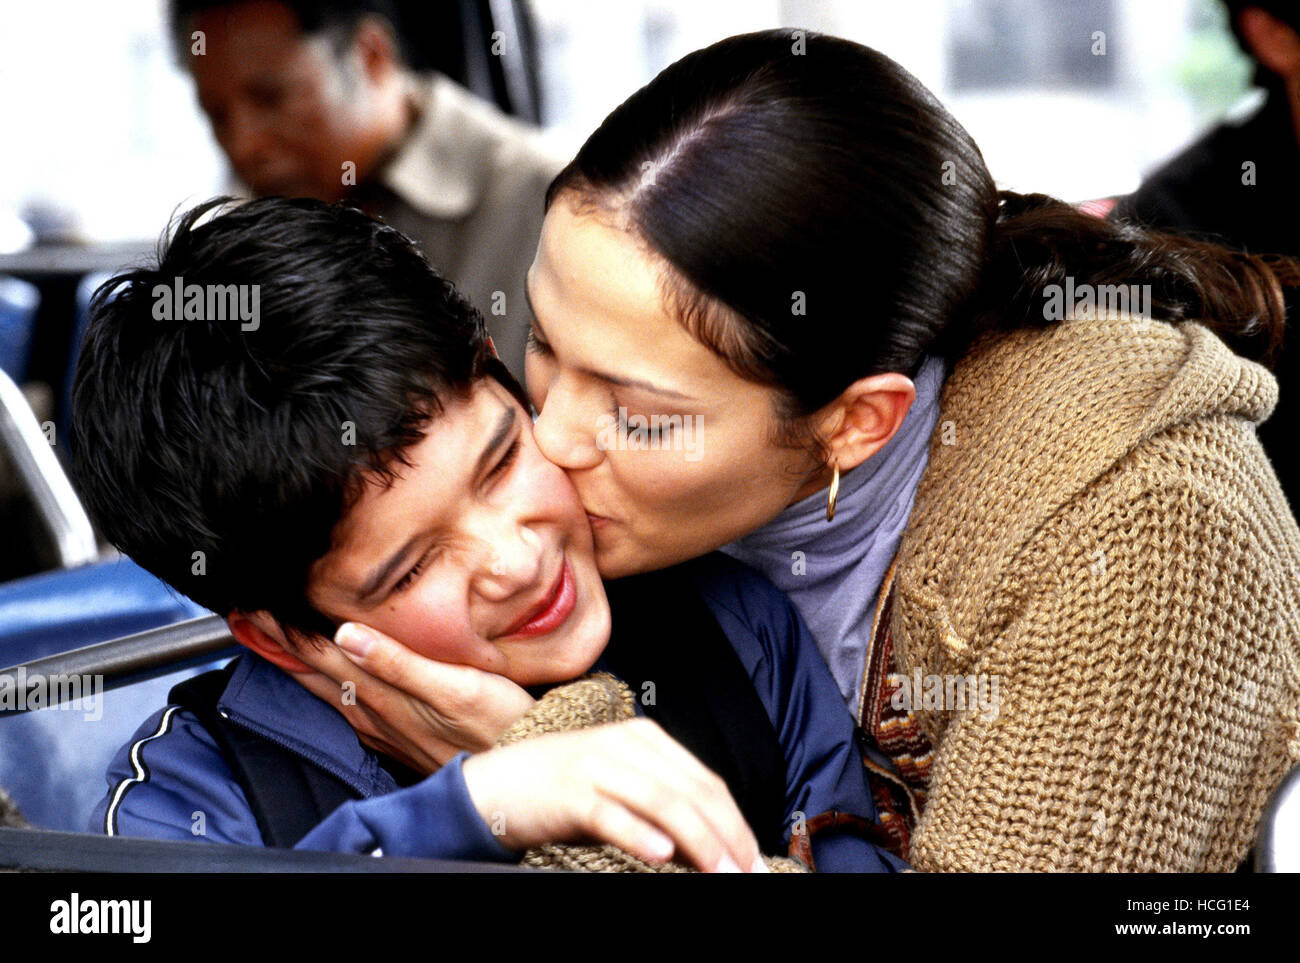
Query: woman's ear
(260, 632)
(865, 416)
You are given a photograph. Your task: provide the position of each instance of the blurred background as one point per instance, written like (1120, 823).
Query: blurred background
(104, 138)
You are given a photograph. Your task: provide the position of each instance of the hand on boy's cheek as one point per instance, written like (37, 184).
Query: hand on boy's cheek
(419, 711)
(343, 686)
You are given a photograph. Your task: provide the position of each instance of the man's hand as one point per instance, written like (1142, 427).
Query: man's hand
(625, 783)
(414, 709)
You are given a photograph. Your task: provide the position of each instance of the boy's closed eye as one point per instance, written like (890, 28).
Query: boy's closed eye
(500, 468)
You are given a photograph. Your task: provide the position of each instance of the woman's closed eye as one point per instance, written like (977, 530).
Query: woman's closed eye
(535, 344)
(656, 427)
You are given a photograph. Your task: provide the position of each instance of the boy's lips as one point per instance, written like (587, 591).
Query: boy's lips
(551, 610)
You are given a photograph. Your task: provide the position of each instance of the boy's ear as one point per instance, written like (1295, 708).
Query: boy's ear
(260, 632)
(492, 347)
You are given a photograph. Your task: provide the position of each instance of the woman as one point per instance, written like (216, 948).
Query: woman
(999, 453)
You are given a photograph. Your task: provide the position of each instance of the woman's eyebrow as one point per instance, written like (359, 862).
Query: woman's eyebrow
(605, 376)
(385, 571)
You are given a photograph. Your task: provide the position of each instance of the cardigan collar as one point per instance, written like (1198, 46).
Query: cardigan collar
(439, 167)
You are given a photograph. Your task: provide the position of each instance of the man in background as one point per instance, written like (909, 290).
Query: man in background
(1238, 185)
(315, 99)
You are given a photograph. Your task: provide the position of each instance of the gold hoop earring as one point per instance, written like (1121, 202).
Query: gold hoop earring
(834, 493)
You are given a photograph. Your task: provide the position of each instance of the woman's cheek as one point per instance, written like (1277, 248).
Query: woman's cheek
(722, 484)
(660, 487)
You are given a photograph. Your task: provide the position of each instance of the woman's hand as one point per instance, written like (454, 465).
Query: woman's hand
(416, 710)
(626, 783)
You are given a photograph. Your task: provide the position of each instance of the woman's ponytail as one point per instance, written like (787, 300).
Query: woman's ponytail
(1041, 248)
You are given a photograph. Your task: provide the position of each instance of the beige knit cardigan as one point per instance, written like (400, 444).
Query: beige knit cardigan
(1099, 528)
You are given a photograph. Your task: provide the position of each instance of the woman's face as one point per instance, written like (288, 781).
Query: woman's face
(671, 451)
(477, 554)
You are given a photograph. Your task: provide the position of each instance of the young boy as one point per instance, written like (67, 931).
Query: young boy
(295, 422)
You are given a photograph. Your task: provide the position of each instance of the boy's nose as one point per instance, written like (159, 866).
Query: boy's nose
(514, 565)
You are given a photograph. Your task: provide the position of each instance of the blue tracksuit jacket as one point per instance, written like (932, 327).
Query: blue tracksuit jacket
(171, 780)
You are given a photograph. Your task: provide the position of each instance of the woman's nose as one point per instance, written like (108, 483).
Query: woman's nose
(566, 430)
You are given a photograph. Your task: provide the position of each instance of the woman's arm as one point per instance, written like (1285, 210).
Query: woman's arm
(824, 772)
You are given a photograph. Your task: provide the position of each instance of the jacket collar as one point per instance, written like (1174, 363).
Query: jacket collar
(439, 168)
(262, 698)
(1030, 418)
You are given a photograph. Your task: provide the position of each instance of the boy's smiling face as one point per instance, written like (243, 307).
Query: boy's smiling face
(478, 554)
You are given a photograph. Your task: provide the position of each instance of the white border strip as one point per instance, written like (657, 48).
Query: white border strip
(141, 774)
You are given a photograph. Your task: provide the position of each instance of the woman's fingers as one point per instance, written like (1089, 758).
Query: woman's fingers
(393, 663)
(672, 788)
(462, 708)
(369, 706)
(417, 710)
(617, 825)
(465, 698)
(615, 783)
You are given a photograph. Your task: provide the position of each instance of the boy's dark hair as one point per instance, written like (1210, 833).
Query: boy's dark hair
(248, 446)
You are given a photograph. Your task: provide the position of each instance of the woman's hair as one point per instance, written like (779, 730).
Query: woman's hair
(823, 218)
